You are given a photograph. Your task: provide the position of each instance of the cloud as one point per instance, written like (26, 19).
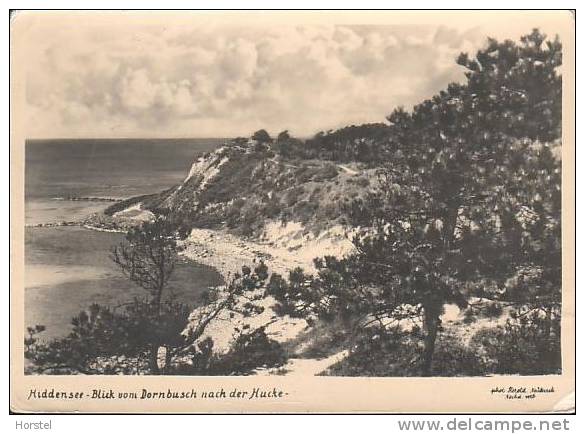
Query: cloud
(146, 80)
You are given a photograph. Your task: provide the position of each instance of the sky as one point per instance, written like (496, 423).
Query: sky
(88, 76)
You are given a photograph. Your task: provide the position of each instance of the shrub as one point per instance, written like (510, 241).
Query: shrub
(304, 210)
(322, 339)
(250, 351)
(250, 221)
(233, 212)
(262, 136)
(493, 310)
(327, 172)
(329, 211)
(397, 353)
(294, 194)
(377, 352)
(360, 181)
(253, 350)
(526, 345)
(454, 358)
(100, 332)
(272, 208)
(469, 317)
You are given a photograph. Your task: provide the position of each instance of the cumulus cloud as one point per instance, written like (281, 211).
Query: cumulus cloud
(141, 80)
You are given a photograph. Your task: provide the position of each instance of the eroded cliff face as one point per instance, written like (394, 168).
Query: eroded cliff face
(202, 171)
(245, 188)
(206, 167)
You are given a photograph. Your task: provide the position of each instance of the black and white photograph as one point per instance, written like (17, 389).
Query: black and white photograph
(274, 195)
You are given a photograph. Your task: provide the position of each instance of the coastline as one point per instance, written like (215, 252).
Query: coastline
(228, 253)
(281, 248)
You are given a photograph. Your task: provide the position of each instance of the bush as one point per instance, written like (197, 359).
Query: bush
(377, 352)
(100, 332)
(233, 212)
(262, 136)
(398, 353)
(327, 172)
(361, 181)
(527, 345)
(272, 208)
(294, 194)
(250, 351)
(253, 350)
(250, 221)
(493, 310)
(469, 317)
(322, 339)
(329, 211)
(304, 210)
(454, 358)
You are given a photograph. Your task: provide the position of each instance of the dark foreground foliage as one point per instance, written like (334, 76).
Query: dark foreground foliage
(529, 344)
(518, 348)
(249, 352)
(104, 342)
(102, 333)
(166, 337)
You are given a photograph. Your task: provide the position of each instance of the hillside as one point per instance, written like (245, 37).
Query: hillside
(243, 203)
(249, 190)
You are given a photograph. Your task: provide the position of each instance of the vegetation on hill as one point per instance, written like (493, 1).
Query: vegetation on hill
(468, 207)
(250, 186)
(357, 143)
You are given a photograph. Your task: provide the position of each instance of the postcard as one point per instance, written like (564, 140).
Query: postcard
(292, 211)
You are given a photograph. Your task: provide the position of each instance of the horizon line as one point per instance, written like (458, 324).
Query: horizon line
(130, 138)
(149, 138)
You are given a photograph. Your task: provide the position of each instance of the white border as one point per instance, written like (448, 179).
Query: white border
(239, 424)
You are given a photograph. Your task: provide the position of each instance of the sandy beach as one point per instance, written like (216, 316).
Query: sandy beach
(283, 248)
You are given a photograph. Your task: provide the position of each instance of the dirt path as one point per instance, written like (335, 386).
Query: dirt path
(348, 170)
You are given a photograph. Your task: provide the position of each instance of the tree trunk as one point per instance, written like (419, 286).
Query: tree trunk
(168, 359)
(157, 300)
(548, 323)
(153, 360)
(431, 325)
(433, 308)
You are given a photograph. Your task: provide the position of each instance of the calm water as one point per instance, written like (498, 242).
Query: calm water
(68, 268)
(112, 168)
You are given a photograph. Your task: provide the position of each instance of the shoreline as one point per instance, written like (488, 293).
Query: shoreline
(281, 248)
(88, 199)
(79, 224)
(226, 254)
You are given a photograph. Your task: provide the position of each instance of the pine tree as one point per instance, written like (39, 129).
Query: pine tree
(469, 203)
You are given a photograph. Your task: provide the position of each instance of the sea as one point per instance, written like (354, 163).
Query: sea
(67, 268)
